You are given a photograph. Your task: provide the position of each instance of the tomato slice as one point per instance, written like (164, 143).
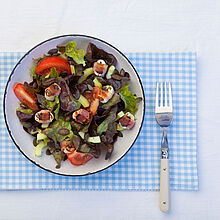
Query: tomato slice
(77, 158)
(46, 64)
(25, 96)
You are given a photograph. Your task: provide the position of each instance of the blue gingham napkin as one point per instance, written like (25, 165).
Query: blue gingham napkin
(140, 168)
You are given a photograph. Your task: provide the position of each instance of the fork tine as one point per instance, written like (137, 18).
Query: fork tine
(161, 94)
(157, 96)
(170, 96)
(165, 88)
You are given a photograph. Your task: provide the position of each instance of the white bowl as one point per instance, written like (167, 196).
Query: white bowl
(23, 140)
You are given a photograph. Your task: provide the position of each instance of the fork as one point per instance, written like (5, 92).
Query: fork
(164, 115)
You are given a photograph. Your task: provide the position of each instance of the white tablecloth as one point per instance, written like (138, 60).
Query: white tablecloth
(144, 25)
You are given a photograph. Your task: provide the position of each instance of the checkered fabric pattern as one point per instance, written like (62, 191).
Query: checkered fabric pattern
(140, 168)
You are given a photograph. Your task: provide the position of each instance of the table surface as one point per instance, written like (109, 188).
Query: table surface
(144, 25)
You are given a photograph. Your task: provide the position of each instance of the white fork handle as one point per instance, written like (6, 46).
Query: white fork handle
(164, 186)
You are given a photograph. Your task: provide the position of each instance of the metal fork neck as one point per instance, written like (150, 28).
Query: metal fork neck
(164, 145)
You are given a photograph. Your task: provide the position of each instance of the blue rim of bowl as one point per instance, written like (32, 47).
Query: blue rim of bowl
(73, 35)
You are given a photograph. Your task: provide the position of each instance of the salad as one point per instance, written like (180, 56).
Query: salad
(77, 104)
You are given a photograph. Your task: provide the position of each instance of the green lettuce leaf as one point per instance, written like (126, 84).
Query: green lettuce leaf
(39, 148)
(103, 127)
(53, 106)
(113, 101)
(53, 130)
(42, 140)
(61, 124)
(33, 74)
(56, 111)
(77, 55)
(25, 110)
(50, 133)
(58, 156)
(53, 73)
(129, 99)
